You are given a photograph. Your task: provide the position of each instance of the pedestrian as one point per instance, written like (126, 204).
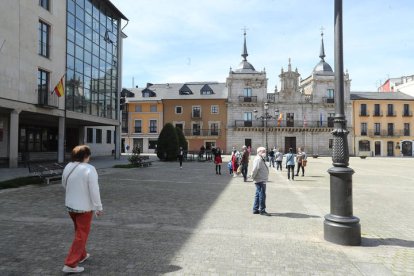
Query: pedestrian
(279, 159)
(80, 181)
(180, 156)
(301, 160)
(218, 160)
(234, 163)
(260, 174)
(244, 162)
(272, 158)
(290, 163)
(127, 148)
(230, 167)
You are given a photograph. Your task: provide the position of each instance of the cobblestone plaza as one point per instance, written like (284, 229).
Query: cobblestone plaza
(164, 221)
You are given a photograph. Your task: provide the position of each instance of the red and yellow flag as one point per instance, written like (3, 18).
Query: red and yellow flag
(279, 120)
(59, 89)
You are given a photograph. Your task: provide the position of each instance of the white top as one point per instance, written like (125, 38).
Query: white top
(82, 188)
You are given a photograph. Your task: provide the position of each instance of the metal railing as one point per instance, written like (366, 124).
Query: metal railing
(201, 132)
(363, 113)
(377, 114)
(46, 99)
(284, 123)
(328, 100)
(251, 99)
(407, 114)
(386, 133)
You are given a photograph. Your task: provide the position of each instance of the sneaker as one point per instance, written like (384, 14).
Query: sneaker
(255, 212)
(264, 213)
(68, 269)
(86, 257)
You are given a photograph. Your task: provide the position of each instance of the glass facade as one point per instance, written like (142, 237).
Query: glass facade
(92, 58)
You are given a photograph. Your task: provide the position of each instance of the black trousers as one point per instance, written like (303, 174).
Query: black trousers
(300, 166)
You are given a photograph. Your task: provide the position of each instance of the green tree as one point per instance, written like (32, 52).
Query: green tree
(167, 146)
(182, 142)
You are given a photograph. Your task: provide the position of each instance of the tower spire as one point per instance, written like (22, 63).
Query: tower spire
(244, 54)
(322, 52)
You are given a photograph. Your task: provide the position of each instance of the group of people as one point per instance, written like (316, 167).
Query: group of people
(239, 162)
(299, 160)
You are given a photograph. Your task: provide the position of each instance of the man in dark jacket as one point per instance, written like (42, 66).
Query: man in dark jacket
(244, 162)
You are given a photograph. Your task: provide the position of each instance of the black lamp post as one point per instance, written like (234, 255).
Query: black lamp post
(340, 226)
(264, 118)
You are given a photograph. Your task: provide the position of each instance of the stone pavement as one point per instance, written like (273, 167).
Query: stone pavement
(165, 221)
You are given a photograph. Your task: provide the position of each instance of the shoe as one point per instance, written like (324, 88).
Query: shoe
(303, 175)
(86, 257)
(216, 172)
(68, 269)
(255, 212)
(296, 175)
(181, 167)
(220, 173)
(264, 213)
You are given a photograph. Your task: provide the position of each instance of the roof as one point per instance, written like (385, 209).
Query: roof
(380, 96)
(170, 91)
(323, 68)
(114, 9)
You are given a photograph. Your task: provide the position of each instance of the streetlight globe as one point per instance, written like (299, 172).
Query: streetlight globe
(266, 106)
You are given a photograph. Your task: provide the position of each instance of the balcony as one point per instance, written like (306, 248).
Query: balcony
(377, 114)
(244, 99)
(289, 124)
(363, 113)
(385, 133)
(137, 130)
(391, 114)
(328, 100)
(407, 114)
(47, 100)
(201, 132)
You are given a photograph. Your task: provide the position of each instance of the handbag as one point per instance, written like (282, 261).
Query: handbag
(304, 163)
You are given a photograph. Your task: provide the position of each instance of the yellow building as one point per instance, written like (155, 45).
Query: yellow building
(144, 121)
(383, 124)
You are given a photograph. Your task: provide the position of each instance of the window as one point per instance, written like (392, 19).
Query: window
(214, 109)
(138, 126)
(43, 86)
(44, 4)
(89, 135)
(364, 145)
(152, 144)
(196, 112)
(247, 92)
(138, 108)
(330, 96)
(363, 110)
(196, 129)
(390, 110)
(330, 143)
(290, 119)
(406, 129)
(108, 137)
(178, 109)
(377, 111)
(214, 129)
(331, 117)
(406, 111)
(153, 108)
(153, 126)
(377, 129)
(247, 117)
(363, 129)
(180, 126)
(44, 32)
(390, 129)
(206, 90)
(99, 136)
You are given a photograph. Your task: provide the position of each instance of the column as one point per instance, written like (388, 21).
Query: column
(14, 138)
(61, 140)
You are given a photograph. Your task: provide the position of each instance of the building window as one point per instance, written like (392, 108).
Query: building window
(89, 135)
(108, 137)
(196, 112)
(364, 145)
(44, 4)
(153, 126)
(153, 108)
(390, 110)
(247, 117)
(331, 117)
(290, 119)
(363, 129)
(138, 126)
(330, 143)
(152, 144)
(43, 86)
(99, 136)
(406, 111)
(138, 108)
(406, 129)
(247, 92)
(178, 109)
(330, 96)
(214, 109)
(377, 129)
(390, 129)
(196, 129)
(44, 33)
(363, 110)
(180, 126)
(214, 129)
(377, 110)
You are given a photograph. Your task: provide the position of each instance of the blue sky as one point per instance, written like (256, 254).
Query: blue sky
(199, 40)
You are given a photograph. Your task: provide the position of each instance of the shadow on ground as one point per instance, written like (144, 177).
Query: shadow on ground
(293, 215)
(374, 242)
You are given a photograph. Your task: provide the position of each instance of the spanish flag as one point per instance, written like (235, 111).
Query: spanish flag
(279, 120)
(59, 89)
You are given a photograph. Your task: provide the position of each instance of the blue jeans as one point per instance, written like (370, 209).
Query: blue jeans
(244, 171)
(260, 197)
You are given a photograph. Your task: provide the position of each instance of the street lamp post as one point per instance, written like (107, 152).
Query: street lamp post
(340, 226)
(264, 118)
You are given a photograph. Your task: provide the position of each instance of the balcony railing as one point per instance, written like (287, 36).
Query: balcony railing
(137, 129)
(328, 100)
(201, 132)
(391, 114)
(377, 114)
(363, 113)
(407, 114)
(46, 99)
(284, 123)
(385, 133)
(244, 99)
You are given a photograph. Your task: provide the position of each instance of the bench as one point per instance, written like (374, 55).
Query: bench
(47, 171)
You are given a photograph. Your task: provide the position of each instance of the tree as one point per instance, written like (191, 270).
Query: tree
(182, 142)
(167, 147)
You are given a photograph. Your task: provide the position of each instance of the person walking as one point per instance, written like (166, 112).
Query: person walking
(272, 158)
(218, 160)
(300, 159)
(244, 162)
(279, 159)
(260, 174)
(180, 156)
(82, 198)
(290, 164)
(234, 163)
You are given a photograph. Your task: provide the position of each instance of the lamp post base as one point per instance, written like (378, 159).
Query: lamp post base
(342, 230)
